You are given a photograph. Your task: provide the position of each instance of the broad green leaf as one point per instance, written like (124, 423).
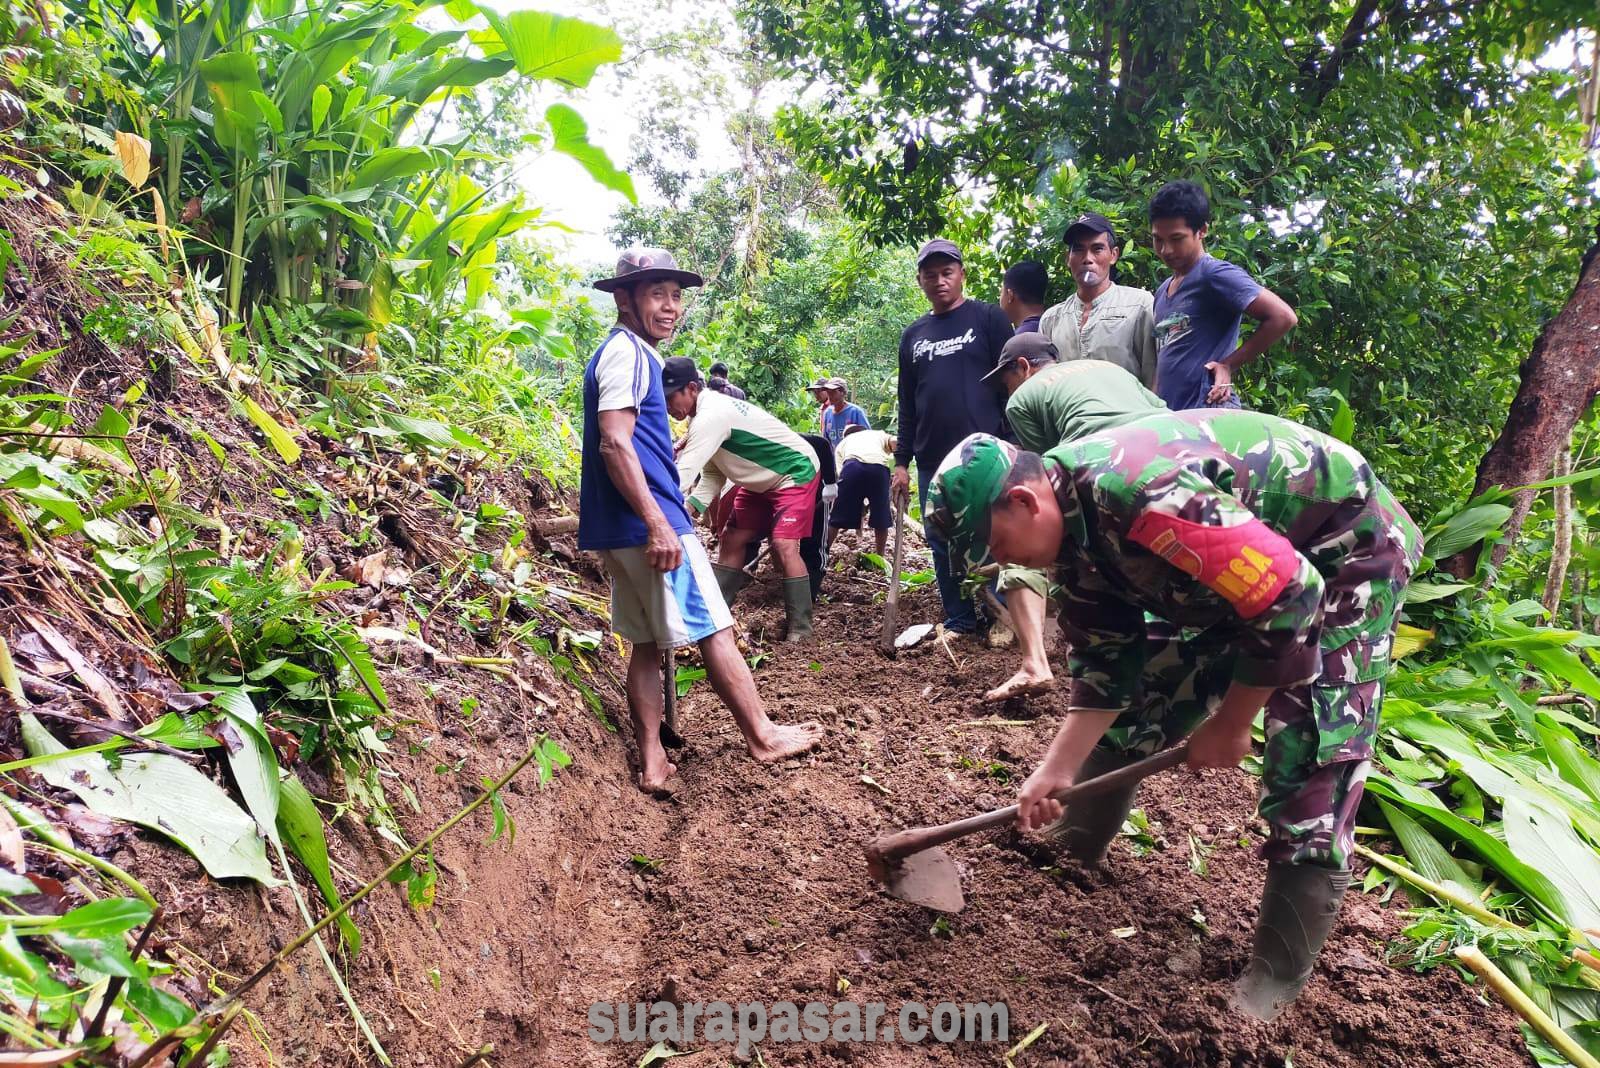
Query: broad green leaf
(570, 136)
(1426, 854)
(1574, 765)
(281, 439)
(398, 161)
(1546, 841)
(1343, 426)
(302, 828)
(269, 111)
(106, 955)
(462, 72)
(1419, 802)
(1423, 592)
(161, 793)
(231, 78)
(553, 47)
(250, 758)
(108, 916)
(321, 100)
(163, 1010)
(1466, 528)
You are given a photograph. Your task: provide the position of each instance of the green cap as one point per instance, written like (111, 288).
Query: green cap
(965, 487)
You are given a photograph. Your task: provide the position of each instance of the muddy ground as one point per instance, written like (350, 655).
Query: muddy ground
(756, 890)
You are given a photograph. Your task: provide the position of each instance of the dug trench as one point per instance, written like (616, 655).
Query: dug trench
(750, 886)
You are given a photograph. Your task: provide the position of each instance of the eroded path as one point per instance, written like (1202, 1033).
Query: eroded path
(759, 893)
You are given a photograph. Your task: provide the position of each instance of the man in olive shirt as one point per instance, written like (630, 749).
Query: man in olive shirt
(1102, 320)
(1051, 404)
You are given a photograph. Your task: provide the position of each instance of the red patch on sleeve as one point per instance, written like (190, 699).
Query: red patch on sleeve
(1249, 564)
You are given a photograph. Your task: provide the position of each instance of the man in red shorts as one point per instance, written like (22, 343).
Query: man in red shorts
(774, 472)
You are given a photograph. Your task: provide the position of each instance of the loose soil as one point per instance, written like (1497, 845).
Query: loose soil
(761, 894)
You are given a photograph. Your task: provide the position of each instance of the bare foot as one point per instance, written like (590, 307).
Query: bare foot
(657, 769)
(789, 740)
(1026, 682)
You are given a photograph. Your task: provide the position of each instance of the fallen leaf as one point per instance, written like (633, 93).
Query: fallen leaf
(161, 793)
(12, 852)
(189, 700)
(369, 569)
(97, 684)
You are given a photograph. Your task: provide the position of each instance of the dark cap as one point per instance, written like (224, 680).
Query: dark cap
(1093, 223)
(938, 247)
(645, 265)
(678, 372)
(820, 384)
(1032, 346)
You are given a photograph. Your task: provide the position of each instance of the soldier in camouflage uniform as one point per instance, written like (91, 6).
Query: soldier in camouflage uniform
(1283, 559)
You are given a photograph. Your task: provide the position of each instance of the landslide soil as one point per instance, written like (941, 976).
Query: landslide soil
(760, 894)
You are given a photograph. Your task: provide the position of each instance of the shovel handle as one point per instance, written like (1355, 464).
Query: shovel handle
(895, 846)
(892, 603)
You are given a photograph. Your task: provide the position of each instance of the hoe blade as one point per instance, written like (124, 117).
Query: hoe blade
(928, 878)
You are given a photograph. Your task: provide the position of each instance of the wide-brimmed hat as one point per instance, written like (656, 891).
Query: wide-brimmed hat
(645, 265)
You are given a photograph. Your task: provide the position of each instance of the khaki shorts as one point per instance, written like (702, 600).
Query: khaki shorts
(666, 608)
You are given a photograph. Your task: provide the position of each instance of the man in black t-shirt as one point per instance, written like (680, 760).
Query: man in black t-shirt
(943, 358)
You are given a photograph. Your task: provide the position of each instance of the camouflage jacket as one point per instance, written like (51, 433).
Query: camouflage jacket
(1278, 534)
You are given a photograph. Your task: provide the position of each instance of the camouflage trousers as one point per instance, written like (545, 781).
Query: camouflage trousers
(1319, 735)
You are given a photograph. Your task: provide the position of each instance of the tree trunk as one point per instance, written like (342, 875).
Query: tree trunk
(1559, 379)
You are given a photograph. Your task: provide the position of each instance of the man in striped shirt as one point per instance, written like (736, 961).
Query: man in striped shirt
(774, 473)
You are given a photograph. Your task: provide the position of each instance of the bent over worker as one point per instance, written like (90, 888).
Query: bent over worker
(1051, 404)
(775, 474)
(1281, 547)
(864, 457)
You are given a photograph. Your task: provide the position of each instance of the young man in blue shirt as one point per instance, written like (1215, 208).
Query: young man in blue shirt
(663, 591)
(1198, 310)
(838, 413)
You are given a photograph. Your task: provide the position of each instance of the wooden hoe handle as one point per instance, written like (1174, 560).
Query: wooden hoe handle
(895, 846)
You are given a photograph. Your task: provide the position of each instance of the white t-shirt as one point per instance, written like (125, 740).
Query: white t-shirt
(621, 373)
(865, 446)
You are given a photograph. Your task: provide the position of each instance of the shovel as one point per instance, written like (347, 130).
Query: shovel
(669, 700)
(891, 610)
(912, 867)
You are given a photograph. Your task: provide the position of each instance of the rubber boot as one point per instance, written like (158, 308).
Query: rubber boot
(1086, 831)
(730, 580)
(1298, 907)
(797, 607)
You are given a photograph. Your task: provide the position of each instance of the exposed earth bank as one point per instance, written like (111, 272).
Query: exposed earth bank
(750, 886)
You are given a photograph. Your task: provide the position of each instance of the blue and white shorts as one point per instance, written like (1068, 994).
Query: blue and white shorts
(667, 608)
